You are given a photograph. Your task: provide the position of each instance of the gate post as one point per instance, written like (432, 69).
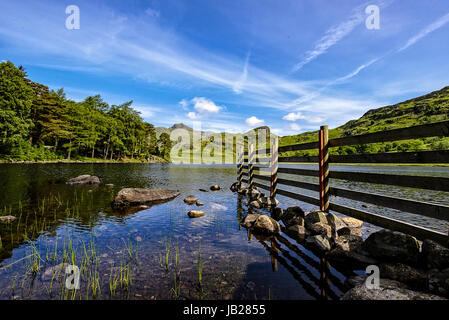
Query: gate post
(274, 171)
(323, 162)
(251, 166)
(240, 166)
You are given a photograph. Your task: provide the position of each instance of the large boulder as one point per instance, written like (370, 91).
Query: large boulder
(266, 225)
(388, 290)
(7, 219)
(314, 217)
(392, 246)
(136, 196)
(438, 282)
(84, 179)
(403, 273)
(435, 256)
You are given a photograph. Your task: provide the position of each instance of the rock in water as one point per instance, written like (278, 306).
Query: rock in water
(438, 282)
(352, 222)
(191, 200)
(249, 220)
(314, 217)
(403, 273)
(388, 290)
(277, 214)
(335, 222)
(392, 246)
(84, 179)
(297, 232)
(320, 228)
(199, 203)
(319, 242)
(215, 188)
(435, 255)
(7, 219)
(195, 214)
(136, 197)
(266, 225)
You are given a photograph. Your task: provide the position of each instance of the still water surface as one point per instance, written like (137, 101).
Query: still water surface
(160, 253)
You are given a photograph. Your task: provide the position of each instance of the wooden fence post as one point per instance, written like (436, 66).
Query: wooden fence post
(274, 172)
(240, 167)
(323, 159)
(251, 166)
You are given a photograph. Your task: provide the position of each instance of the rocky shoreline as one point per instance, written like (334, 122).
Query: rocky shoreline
(409, 270)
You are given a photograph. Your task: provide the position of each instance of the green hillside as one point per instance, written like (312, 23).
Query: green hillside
(432, 107)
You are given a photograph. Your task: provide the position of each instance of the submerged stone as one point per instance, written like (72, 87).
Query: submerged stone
(84, 179)
(195, 214)
(136, 196)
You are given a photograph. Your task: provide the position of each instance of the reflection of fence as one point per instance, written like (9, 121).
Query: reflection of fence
(312, 275)
(432, 210)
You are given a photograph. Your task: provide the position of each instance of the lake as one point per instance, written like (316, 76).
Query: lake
(160, 253)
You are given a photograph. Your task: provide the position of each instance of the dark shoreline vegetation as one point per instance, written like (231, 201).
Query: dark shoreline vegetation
(39, 124)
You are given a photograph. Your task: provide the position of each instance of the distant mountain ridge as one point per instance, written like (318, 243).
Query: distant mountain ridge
(429, 108)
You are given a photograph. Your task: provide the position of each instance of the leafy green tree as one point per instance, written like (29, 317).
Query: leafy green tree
(16, 99)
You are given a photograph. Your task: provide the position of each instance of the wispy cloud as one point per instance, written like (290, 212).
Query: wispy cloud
(332, 37)
(432, 27)
(239, 84)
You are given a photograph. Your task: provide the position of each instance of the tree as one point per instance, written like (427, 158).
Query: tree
(16, 99)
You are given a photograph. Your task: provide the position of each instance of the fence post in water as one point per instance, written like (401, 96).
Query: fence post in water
(251, 166)
(323, 160)
(240, 166)
(274, 171)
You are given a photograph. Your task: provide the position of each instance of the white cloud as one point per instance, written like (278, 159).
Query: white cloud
(202, 104)
(332, 37)
(298, 115)
(432, 27)
(192, 115)
(293, 116)
(295, 127)
(254, 121)
(239, 84)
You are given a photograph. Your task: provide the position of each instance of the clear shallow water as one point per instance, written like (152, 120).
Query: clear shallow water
(158, 253)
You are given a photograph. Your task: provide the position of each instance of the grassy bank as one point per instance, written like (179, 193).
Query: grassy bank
(87, 160)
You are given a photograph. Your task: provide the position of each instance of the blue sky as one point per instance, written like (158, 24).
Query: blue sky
(231, 65)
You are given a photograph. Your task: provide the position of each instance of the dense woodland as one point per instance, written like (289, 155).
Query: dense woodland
(37, 123)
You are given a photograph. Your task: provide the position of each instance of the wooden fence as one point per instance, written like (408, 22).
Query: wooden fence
(324, 174)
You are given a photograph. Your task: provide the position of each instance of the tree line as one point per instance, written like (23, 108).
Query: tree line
(37, 123)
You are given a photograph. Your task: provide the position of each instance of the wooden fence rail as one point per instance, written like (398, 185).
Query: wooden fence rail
(266, 169)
